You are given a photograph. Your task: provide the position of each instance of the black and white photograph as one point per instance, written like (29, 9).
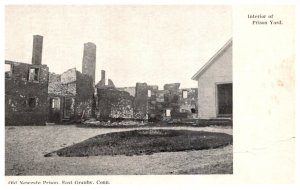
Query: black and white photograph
(118, 90)
(180, 93)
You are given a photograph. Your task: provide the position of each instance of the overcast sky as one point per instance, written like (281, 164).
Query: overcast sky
(153, 44)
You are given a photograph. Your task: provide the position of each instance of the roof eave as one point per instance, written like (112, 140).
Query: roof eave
(211, 60)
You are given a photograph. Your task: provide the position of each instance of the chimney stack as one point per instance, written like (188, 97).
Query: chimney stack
(37, 50)
(89, 60)
(103, 76)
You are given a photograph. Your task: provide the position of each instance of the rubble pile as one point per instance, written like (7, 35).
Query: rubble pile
(96, 123)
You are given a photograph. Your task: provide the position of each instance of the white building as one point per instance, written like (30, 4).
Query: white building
(215, 85)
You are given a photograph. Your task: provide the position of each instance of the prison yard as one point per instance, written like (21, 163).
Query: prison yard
(74, 150)
(69, 124)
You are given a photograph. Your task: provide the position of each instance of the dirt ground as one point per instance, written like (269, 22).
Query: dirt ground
(25, 147)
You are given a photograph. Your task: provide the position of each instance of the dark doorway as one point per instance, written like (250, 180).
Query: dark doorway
(69, 107)
(224, 98)
(54, 110)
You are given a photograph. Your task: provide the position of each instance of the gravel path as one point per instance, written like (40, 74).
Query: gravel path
(25, 147)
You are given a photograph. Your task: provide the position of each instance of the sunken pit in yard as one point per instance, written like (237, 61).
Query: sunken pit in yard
(141, 142)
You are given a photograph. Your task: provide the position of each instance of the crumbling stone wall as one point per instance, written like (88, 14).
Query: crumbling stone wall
(85, 102)
(62, 85)
(172, 99)
(113, 103)
(189, 104)
(26, 101)
(123, 108)
(147, 102)
(141, 101)
(160, 105)
(130, 90)
(69, 76)
(110, 83)
(73, 84)
(154, 113)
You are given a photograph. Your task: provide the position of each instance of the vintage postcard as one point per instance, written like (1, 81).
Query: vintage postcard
(108, 94)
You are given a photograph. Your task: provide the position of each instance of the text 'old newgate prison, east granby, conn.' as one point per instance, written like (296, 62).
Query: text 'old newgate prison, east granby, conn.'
(35, 96)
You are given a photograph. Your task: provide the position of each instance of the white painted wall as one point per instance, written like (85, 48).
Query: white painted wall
(218, 72)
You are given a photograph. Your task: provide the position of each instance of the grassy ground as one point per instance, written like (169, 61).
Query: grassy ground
(25, 147)
(137, 142)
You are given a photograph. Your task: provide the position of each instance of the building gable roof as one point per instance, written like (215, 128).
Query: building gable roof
(212, 60)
